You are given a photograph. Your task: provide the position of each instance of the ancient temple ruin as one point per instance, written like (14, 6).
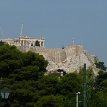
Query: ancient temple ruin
(69, 58)
(25, 41)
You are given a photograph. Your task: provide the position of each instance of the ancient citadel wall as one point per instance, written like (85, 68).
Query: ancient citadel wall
(70, 58)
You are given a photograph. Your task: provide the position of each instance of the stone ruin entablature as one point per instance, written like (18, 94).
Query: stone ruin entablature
(25, 41)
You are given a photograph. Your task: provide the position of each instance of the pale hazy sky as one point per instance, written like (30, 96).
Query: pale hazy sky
(59, 21)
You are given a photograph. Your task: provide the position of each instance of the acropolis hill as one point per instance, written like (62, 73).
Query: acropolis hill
(69, 58)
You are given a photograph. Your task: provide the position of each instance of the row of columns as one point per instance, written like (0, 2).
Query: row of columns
(32, 43)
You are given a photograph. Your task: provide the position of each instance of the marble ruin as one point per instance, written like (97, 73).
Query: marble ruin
(69, 58)
(25, 41)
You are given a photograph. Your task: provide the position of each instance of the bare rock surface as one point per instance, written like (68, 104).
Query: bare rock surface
(70, 58)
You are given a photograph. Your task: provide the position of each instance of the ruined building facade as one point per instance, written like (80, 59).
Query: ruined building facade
(25, 41)
(69, 58)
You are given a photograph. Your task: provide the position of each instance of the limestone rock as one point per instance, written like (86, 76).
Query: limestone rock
(70, 58)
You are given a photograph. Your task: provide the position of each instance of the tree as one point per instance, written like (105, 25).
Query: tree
(20, 72)
(101, 66)
(50, 101)
(24, 75)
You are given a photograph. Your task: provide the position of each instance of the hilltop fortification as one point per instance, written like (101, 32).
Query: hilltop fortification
(70, 58)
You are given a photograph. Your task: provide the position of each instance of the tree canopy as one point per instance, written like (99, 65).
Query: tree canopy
(23, 74)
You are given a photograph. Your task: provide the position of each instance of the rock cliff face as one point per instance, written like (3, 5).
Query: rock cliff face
(70, 58)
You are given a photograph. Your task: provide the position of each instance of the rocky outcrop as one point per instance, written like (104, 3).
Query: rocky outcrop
(70, 58)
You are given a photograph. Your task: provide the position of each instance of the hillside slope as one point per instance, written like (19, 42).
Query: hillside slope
(70, 58)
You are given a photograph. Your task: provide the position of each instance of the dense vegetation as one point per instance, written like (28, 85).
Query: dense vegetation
(23, 75)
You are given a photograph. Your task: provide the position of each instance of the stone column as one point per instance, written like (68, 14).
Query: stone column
(40, 43)
(25, 43)
(19, 42)
(22, 42)
(33, 43)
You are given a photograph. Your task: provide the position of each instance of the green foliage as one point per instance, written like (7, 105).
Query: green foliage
(71, 83)
(20, 71)
(13, 61)
(100, 65)
(23, 74)
(50, 101)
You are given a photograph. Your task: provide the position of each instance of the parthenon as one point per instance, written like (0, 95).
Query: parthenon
(69, 58)
(25, 41)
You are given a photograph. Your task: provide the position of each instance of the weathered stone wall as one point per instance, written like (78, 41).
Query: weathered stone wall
(25, 41)
(70, 58)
